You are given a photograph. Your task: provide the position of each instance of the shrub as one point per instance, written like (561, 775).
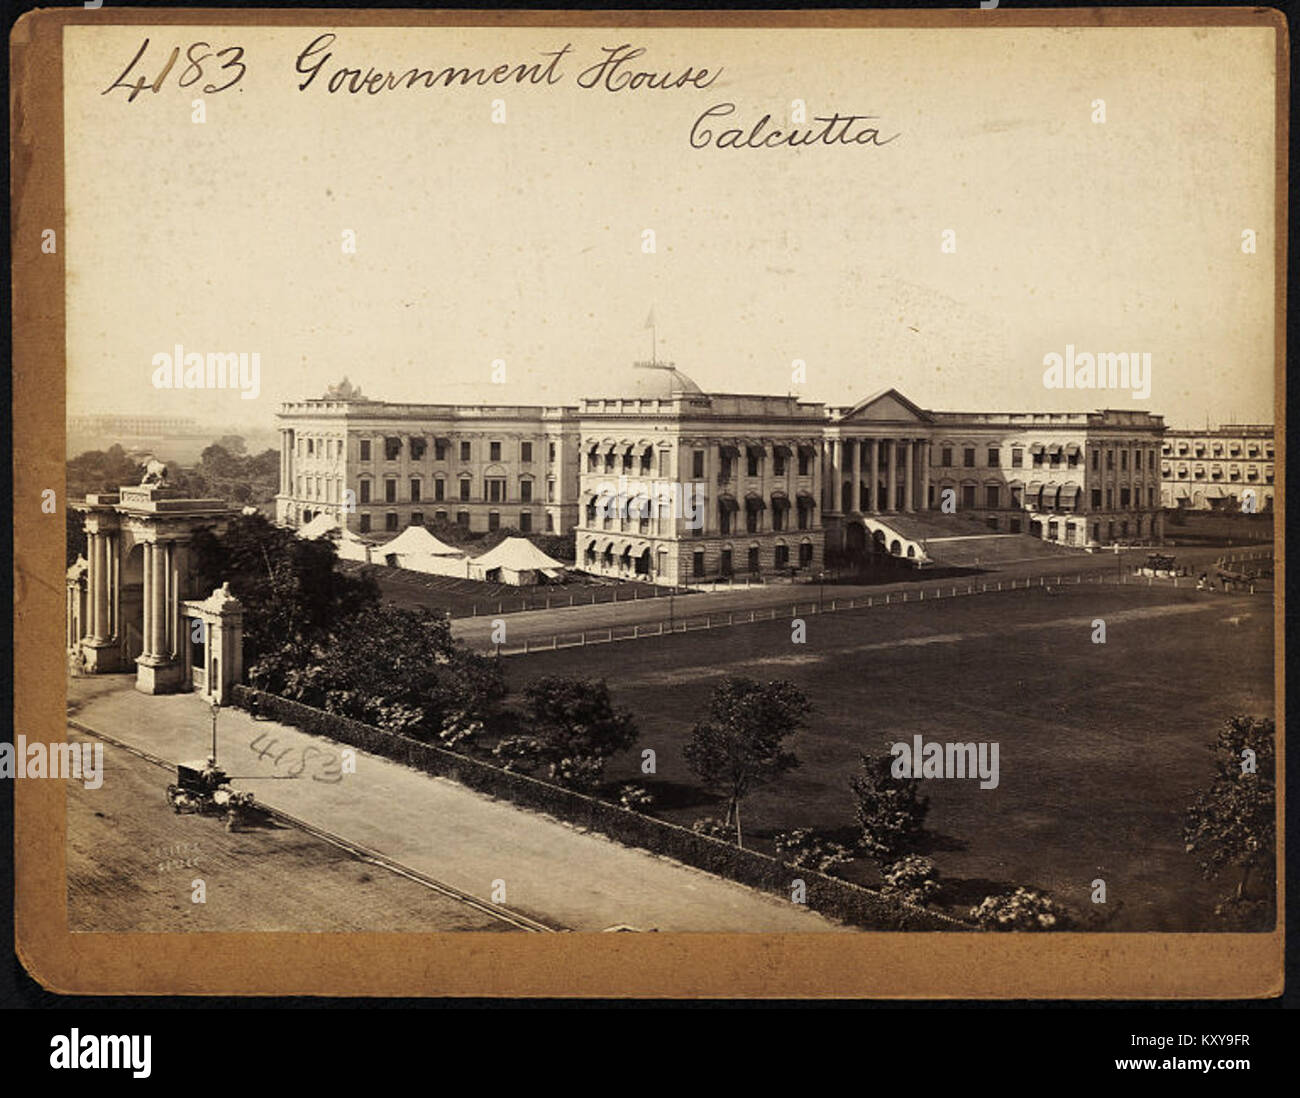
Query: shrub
(636, 798)
(804, 849)
(913, 879)
(714, 829)
(1023, 909)
(890, 810)
(523, 753)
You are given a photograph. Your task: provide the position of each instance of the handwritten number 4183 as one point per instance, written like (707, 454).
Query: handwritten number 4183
(191, 74)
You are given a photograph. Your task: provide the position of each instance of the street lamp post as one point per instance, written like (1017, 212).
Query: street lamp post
(821, 590)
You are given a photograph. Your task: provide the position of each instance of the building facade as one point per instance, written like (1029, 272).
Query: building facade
(662, 482)
(678, 485)
(382, 466)
(1219, 468)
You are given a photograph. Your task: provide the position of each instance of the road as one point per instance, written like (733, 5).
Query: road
(522, 860)
(569, 621)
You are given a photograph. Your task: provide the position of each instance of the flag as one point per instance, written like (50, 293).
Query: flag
(650, 320)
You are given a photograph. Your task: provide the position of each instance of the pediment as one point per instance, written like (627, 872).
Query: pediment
(889, 406)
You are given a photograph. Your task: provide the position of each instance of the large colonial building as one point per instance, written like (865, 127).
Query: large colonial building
(385, 466)
(1219, 468)
(661, 481)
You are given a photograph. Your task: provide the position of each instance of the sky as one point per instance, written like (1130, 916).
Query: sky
(481, 242)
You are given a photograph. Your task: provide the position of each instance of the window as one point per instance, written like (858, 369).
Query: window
(945, 457)
(1038, 458)
(550, 491)
(1096, 459)
(968, 457)
(417, 518)
(697, 563)
(778, 465)
(365, 449)
(1017, 458)
(440, 489)
(494, 520)
(494, 451)
(805, 555)
(647, 458)
(550, 523)
(992, 492)
(697, 466)
(390, 491)
(663, 463)
(392, 449)
(1110, 459)
(462, 519)
(782, 556)
(525, 521)
(464, 451)
(752, 558)
(365, 523)
(1137, 459)
(365, 491)
(440, 516)
(1096, 500)
(1123, 461)
(968, 495)
(805, 514)
(525, 491)
(495, 490)
(415, 490)
(752, 460)
(526, 451)
(1124, 497)
(1013, 525)
(390, 520)
(551, 453)
(993, 456)
(439, 450)
(724, 520)
(310, 447)
(464, 488)
(805, 461)
(724, 562)
(418, 447)
(1110, 498)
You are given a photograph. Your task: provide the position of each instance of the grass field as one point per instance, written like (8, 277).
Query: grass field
(1101, 745)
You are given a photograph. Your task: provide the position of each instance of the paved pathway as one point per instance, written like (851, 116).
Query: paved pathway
(551, 871)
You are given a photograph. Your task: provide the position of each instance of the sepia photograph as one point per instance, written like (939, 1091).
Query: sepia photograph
(584, 476)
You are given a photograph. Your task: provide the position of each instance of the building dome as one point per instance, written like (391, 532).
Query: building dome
(644, 382)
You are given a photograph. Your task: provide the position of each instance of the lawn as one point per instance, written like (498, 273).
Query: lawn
(1101, 745)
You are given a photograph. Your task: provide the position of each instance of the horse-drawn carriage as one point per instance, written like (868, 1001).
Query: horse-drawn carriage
(203, 787)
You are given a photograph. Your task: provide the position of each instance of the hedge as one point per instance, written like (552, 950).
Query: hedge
(830, 896)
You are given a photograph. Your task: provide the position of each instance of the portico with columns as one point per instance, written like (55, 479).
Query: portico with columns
(126, 607)
(877, 462)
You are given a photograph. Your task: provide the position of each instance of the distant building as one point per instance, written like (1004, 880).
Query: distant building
(663, 482)
(482, 466)
(1213, 469)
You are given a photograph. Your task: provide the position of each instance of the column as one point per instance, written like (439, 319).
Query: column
(115, 586)
(179, 575)
(891, 492)
(909, 482)
(93, 581)
(147, 602)
(875, 475)
(160, 586)
(925, 474)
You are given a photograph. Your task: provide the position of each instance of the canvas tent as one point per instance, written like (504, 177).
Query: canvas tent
(350, 545)
(517, 561)
(417, 549)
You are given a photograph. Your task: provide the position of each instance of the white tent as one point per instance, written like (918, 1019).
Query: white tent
(418, 550)
(350, 545)
(517, 561)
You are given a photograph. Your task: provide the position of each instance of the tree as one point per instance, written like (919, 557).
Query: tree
(293, 595)
(1233, 822)
(740, 744)
(101, 471)
(397, 669)
(576, 728)
(891, 811)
